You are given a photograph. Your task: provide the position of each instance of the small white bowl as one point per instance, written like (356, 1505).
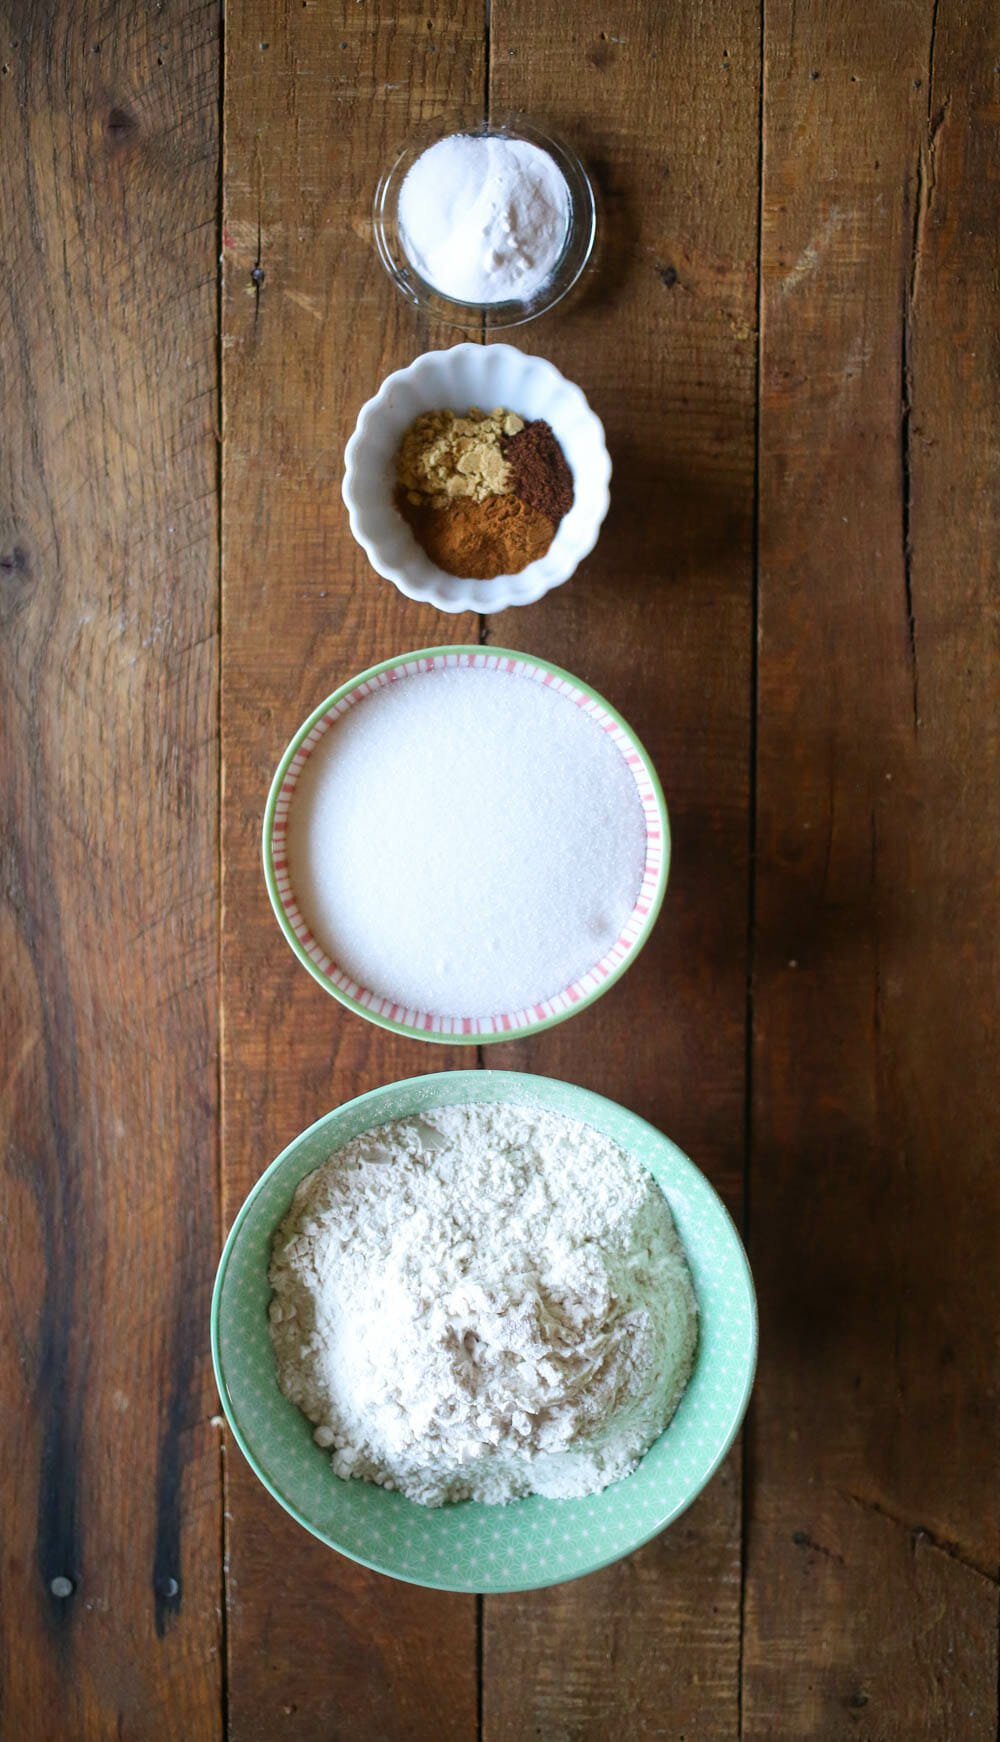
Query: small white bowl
(452, 380)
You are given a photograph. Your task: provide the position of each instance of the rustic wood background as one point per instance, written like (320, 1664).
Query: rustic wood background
(790, 332)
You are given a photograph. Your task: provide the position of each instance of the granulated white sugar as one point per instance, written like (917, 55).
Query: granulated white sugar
(484, 219)
(466, 842)
(481, 1302)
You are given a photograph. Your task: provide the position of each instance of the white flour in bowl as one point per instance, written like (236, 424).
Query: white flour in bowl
(482, 1302)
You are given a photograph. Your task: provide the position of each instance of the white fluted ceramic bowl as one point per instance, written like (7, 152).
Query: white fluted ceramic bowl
(486, 376)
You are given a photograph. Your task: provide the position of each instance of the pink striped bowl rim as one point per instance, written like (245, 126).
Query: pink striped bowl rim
(423, 1024)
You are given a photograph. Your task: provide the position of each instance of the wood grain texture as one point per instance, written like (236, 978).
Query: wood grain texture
(871, 1549)
(318, 98)
(662, 103)
(871, 1574)
(109, 1466)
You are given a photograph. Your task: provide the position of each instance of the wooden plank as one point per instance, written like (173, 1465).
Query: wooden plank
(662, 103)
(317, 99)
(871, 1573)
(109, 1470)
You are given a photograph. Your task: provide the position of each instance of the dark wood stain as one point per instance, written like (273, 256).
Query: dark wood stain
(170, 1466)
(62, 1373)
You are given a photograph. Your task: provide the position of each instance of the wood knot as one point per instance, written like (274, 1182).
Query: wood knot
(120, 125)
(15, 581)
(15, 561)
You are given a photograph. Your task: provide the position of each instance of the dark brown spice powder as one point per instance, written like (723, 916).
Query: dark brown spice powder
(478, 540)
(539, 474)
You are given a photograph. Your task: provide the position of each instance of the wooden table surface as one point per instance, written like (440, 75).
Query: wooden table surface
(789, 330)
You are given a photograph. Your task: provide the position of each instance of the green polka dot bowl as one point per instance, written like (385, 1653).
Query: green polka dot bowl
(470, 1546)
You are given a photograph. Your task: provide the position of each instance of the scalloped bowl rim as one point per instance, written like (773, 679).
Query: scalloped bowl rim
(539, 577)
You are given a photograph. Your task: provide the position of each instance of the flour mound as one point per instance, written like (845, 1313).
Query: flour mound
(480, 1303)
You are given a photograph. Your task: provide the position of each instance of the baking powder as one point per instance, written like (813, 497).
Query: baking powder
(484, 218)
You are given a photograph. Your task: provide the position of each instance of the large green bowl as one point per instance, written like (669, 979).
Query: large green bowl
(471, 1546)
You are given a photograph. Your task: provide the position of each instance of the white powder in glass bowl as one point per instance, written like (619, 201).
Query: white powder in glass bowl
(484, 218)
(482, 1302)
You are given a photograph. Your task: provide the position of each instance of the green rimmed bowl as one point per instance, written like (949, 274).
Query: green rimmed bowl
(458, 1028)
(472, 1546)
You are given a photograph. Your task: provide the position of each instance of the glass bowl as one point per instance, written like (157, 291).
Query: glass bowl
(493, 316)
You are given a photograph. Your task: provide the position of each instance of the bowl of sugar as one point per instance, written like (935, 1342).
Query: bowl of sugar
(484, 224)
(487, 1314)
(463, 844)
(524, 393)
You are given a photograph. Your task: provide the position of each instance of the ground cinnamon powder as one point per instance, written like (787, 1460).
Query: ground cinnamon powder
(479, 540)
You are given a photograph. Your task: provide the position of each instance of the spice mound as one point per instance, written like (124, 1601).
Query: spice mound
(482, 1302)
(484, 492)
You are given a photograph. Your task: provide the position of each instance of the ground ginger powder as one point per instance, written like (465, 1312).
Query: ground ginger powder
(444, 457)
